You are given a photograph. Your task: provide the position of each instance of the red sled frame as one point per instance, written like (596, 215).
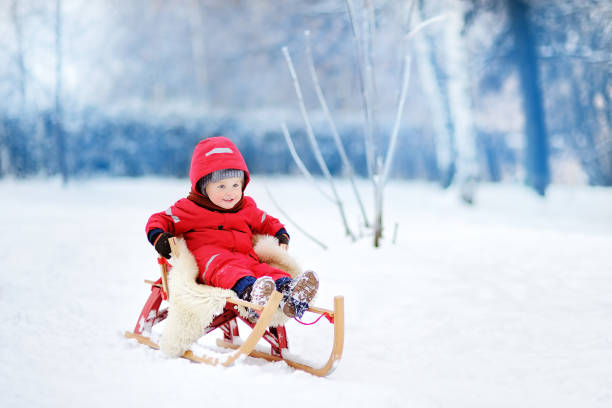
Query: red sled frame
(152, 315)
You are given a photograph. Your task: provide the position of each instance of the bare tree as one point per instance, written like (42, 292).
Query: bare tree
(379, 166)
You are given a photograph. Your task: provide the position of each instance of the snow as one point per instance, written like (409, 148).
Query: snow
(504, 304)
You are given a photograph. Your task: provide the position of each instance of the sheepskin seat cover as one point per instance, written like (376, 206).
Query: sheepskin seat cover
(192, 306)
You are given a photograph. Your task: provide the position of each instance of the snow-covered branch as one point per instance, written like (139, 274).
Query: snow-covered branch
(396, 125)
(424, 24)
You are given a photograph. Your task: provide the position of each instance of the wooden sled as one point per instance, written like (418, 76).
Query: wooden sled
(152, 314)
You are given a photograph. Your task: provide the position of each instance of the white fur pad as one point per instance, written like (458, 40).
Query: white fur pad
(192, 306)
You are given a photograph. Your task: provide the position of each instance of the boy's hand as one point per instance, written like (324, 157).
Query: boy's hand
(283, 239)
(162, 246)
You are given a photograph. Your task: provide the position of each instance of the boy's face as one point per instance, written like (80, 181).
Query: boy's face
(225, 193)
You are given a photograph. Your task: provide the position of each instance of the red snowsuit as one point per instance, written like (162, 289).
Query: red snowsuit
(220, 241)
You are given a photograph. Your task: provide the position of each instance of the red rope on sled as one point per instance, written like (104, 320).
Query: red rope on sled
(327, 316)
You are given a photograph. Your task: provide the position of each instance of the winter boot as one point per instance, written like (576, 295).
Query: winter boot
(299, 293)
(259, 294)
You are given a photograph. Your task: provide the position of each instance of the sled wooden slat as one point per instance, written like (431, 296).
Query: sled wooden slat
(320, 310)
(244, 303)
(163, 268)
(174, 247)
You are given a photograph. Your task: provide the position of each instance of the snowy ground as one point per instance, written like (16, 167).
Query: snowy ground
(505, 304)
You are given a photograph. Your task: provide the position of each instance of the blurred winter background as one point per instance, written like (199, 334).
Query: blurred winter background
(499, 90)
(490, 120)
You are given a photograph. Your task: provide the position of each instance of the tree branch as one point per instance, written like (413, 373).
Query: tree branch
(398, 119)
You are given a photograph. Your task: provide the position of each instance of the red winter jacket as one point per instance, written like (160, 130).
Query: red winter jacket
(222, 237)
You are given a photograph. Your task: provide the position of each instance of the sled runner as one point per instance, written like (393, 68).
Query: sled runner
(231, 310)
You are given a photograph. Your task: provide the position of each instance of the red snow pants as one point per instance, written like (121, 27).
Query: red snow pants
(224, 268)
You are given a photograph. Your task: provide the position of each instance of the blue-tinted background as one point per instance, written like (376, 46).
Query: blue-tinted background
(128, 88)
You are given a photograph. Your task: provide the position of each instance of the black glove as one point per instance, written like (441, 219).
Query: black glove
(283, 236)
(283, 239)
(162, 245)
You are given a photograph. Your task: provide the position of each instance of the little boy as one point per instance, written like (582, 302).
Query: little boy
(218, 223)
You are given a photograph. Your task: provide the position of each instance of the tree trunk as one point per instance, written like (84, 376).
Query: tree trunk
(460, 102)
(536, 155)
(4, 154)
(58, 123)
(603, 136)
(431, 78)
(17, 25)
